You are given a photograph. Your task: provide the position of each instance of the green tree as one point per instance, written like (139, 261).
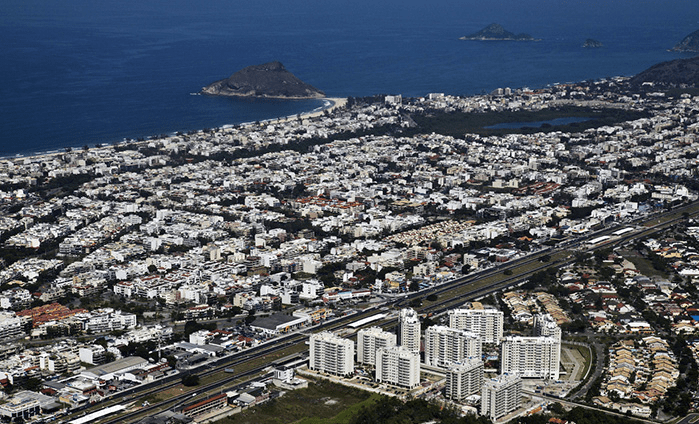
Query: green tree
(190, 380)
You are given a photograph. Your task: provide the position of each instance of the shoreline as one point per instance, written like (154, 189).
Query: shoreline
(334, 103)
(329, 104)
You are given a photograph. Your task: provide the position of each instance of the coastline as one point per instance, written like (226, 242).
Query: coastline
(334, 103)
(330, 104)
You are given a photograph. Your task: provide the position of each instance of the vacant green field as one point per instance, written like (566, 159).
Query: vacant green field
(642, 264)
(321, 402)
(585, 356)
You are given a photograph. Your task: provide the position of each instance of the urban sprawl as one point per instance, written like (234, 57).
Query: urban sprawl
(502, 274)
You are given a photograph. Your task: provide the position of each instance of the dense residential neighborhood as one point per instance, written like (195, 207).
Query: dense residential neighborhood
(147, 261)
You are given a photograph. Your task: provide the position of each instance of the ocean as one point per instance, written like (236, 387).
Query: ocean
(81, 72)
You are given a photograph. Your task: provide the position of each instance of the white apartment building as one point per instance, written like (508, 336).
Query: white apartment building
(331, 354)
(93, 354)
(371, 339)
(545, 325)
(464, 379)
(23, 406)
(399, 366)
(536, 357)
(11, 326)
(107, 319)
(500, 396)
(487, 323)
(409, 330)
(444, 345)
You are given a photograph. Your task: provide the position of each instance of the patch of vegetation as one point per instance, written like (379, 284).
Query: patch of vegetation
(190, 380)
(390, 410)
(321, 402)
(646, 266)
(194, 326)
(457, 124)
(578, 415)
(677, 92)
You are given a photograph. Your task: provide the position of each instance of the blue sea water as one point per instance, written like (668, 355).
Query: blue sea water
(83, 72)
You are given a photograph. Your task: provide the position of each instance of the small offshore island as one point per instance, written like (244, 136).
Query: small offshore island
(495, 32)
(270, 80)
(592, 44)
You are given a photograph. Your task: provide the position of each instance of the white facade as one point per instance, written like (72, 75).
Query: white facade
(107, 319)
(399, 366)
(444, 345)
(11, 326)
(371, 339)
(464, 379)
(536, 357)
(545, 325)
(93, 354)
(310, 290)
(409, 330)
(331, 354)
(487, 323)
(284, 373)
(501, 396)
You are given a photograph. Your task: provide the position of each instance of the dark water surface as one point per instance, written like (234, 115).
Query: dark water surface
(84, 72)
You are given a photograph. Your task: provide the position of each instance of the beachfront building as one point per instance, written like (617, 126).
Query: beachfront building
(500, 396)
(464, 379)
(444, 345)
(535, 357)
(331, 354)
(371, 339)
(399, 366)
(409, 330)
(487, 323)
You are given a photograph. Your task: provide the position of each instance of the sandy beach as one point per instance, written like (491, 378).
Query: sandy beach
(335, 102)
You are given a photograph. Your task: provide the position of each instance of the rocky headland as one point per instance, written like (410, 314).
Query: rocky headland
(689, 44)
(271, 80)
(675, 72)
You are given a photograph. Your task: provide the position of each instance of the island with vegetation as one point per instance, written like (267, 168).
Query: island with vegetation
(495, 32)
(688, 44)
(270, 80)
(592, 44)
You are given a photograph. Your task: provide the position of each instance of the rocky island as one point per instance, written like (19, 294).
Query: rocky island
(271, 80)
(592, 44)
(495, 32)
(689, 44)
(675, 72)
